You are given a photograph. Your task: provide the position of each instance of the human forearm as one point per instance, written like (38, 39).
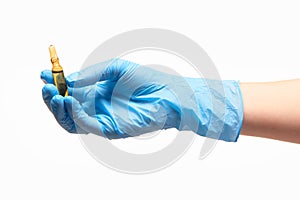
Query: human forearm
(272, 110)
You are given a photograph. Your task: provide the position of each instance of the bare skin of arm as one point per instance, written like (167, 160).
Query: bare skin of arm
(272, 110)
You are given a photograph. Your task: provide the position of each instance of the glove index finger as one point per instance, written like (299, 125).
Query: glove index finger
(48, 92)
(47, 77)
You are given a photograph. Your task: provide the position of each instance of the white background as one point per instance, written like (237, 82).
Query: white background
(247, 40)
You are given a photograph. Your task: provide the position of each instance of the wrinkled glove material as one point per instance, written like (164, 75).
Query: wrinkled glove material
(119, 99)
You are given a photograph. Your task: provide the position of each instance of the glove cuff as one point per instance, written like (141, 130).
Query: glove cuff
(218, 109)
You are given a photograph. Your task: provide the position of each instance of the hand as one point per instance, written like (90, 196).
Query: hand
(119, 98)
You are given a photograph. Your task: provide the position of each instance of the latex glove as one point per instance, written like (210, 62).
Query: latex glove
(119, 98)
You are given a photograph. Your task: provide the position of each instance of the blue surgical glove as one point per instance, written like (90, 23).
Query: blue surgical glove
(119, 98)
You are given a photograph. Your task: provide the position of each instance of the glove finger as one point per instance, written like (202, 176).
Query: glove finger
(98, 91)
(83, 93)
(81, 119)
(68, 102)
(57, 105)
(108, 70)
(48, 92)
(47, 77)
(87, 76)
